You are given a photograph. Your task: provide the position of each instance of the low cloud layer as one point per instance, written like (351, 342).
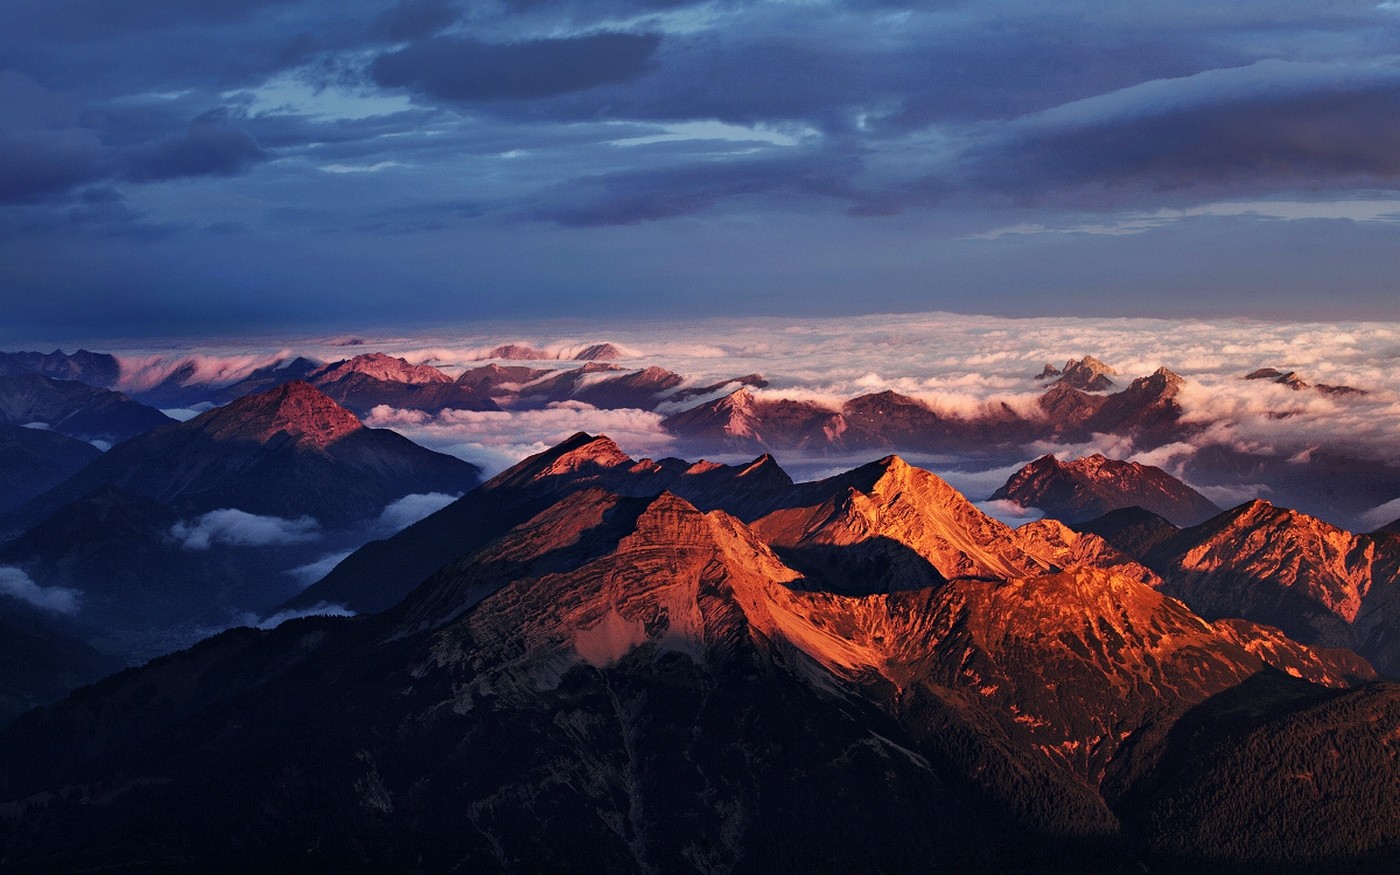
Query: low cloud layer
(495, 440)
(410, 509)
(230, 527)
(320, 609)
(307, 574)
(955, 363)
(15, 584)
(1383, 515)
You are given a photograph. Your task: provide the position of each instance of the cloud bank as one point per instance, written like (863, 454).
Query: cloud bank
(495, 440)
(410, 509)
(15, 584)
(957, 364)
(320, 609)
(230, 527)
(291, 161)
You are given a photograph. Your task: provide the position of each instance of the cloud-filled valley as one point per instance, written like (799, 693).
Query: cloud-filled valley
(960, 367)
(232, 527)
(16, 584)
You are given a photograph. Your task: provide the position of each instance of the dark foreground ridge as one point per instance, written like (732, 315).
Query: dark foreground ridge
(863, 674)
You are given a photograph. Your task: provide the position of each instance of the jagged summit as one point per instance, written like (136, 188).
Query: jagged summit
(517, 352)
(1088, 374)
(598, 352)
(1279, 566)
(95, 369)
(593, 352)
(380, 367)
(1048, 371)
(905, 518)
(1295, 381)
(289, 451)
(1079, 490)
(74, 408)
(575, 453)
(626, 673)
(296, 409)
(381, 573)
(1291, 379)
(1062, 547)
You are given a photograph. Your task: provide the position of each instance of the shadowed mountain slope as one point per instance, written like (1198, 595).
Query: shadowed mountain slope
(289, 451)
(626, 676)
(1091, 486)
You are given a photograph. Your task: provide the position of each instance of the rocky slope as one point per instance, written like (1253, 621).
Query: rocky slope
(288, 452)
(1088, 487)
(889, 525)
(626, 675)
(1319, 583)
(383, 572)
(39, 664)
(93, 368)
(1087, 374)
(75, 409)
(366, 381)
(1059, 546)
(34, 460)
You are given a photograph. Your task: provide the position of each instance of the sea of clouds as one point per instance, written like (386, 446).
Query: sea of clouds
(958, 364)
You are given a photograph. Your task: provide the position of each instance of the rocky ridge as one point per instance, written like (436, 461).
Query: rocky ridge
(638, 666)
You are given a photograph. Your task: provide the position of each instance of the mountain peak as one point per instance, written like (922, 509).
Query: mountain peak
(517, 352)
(296, 408)
(380, 367)
(1087, 373)
(598, 352)
(763, 465)
(1081, 489)
(577, 452)
(1096, 462)
(897, 512)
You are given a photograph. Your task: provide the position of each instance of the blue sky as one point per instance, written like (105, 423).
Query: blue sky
(214, 166)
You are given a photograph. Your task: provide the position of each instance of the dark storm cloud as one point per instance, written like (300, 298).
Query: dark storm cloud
(411, 19)
(35, 164)
(632, 197)
(1269, 126)
(358, 129)
(94, 19)
(792, 64)
(462, 69)
(49, 147)
(42, 149)
(209, 148)
(600, 7)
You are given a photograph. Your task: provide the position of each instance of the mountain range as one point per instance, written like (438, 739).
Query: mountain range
(75, 409)
(862, 673)
(34, 460)
(1089, 487)
(196, 526)
(289, 451)
(1085, 402)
